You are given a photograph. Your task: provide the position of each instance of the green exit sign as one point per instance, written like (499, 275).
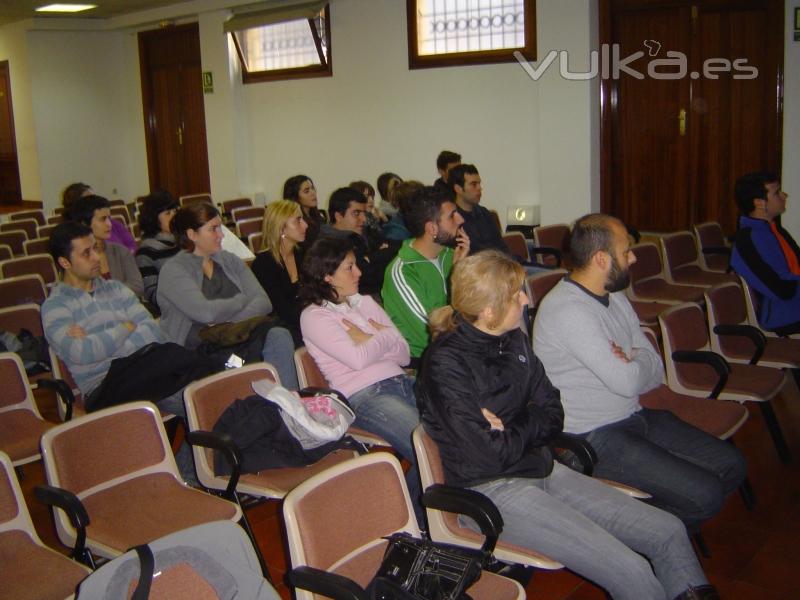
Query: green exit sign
(208, 82)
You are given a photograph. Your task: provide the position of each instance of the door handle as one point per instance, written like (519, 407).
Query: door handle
(681, 122)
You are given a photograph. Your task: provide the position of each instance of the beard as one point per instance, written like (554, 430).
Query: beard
(618, 278)
(445, 239)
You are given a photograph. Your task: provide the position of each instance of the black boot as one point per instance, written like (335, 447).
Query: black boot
(701, 592)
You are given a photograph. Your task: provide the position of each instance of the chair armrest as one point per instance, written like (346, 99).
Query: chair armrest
(470, 503)
(325, 583)
(60, 387)
(547, 251)
(75, 510)
(754, 334)
(712, 359)
(582, 450)
(225, 444)
(717, 250)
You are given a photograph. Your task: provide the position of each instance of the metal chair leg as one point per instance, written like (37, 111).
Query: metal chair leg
(775, 431)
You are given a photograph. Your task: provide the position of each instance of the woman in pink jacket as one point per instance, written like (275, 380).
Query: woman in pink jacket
(358, 349)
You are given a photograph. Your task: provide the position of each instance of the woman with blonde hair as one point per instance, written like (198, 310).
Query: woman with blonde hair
(277, 266)
(485, 399)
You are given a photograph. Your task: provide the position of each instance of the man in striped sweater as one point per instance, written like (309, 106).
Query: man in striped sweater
(416, 281)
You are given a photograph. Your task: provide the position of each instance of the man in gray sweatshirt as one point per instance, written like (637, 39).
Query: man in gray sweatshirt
(588, 338)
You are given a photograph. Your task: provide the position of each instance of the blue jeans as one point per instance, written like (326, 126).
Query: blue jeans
(183, 457)
(388, 408)
(279, 352)
(597, 532)
(687, 471)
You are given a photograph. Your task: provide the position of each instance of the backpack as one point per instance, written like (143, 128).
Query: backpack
(32, 350)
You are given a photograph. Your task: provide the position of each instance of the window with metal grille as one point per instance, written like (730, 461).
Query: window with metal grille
(462, 32)
(287, 49)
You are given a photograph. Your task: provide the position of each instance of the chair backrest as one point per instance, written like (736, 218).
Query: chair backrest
(247, 212)
(540, 284)
(61, 371)
(28, 226)
(308, 373)
(254, 240)
(336, 519)
(229, 205)
(55, 219)
(555, 236)
(710, 235)
(190, 199)
(14, 240)
(44, 231)
(752, 303)
(496, 219)
(247, 226)
(683, 327)
(207, 398)
(648, 263)
(5, 252)
(14, 513)
(40, 245)
(679, 251)
(725, 305)
(36, 215)
(25, 289)
(106, 447)
(36, 264)
(122, 212)
(517, 245)
(17, 392)
(22, 316)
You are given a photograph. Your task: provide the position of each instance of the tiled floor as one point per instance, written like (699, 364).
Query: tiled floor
(752, 551)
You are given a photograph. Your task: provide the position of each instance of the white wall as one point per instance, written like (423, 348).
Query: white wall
(791, 125)
(14, 49)
(88, 114)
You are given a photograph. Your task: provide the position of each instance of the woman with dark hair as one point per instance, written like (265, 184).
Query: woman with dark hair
(358, 349)
(205, 285)
(486, 401)
(158, 242)
(300, 189)
(115, 260)
(119, 232)
(277, 267)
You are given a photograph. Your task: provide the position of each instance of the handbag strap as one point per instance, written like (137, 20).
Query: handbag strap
(146, 568)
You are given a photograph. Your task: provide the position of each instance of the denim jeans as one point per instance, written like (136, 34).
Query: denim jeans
(183, 457)
(388, 408)
(597, 532)
(279, 352)
(687, 471)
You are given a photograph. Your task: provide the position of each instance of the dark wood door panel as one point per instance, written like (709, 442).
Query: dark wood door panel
(10, 189)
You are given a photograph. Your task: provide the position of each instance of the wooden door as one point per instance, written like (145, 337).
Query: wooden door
(172, 95)
(673, 148)
(10, 192)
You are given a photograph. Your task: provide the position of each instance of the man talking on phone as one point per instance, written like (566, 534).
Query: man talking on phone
(416, 281)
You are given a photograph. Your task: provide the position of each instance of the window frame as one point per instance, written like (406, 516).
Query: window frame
(475, 57)
(307, 72)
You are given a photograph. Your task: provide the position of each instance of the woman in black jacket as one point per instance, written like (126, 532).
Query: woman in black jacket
(485, 399)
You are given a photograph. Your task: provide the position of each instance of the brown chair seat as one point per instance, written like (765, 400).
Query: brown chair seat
(38, 573)
(658, 289)
(694, 275)
(20, 431)
(778, 350)
(762, 383)
(151, 507)
(648, 311)
(287, 479)
(716, 417)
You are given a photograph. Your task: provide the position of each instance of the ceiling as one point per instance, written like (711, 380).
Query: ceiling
(18, 10)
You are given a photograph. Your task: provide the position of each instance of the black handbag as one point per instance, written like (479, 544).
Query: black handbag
(419, 569)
